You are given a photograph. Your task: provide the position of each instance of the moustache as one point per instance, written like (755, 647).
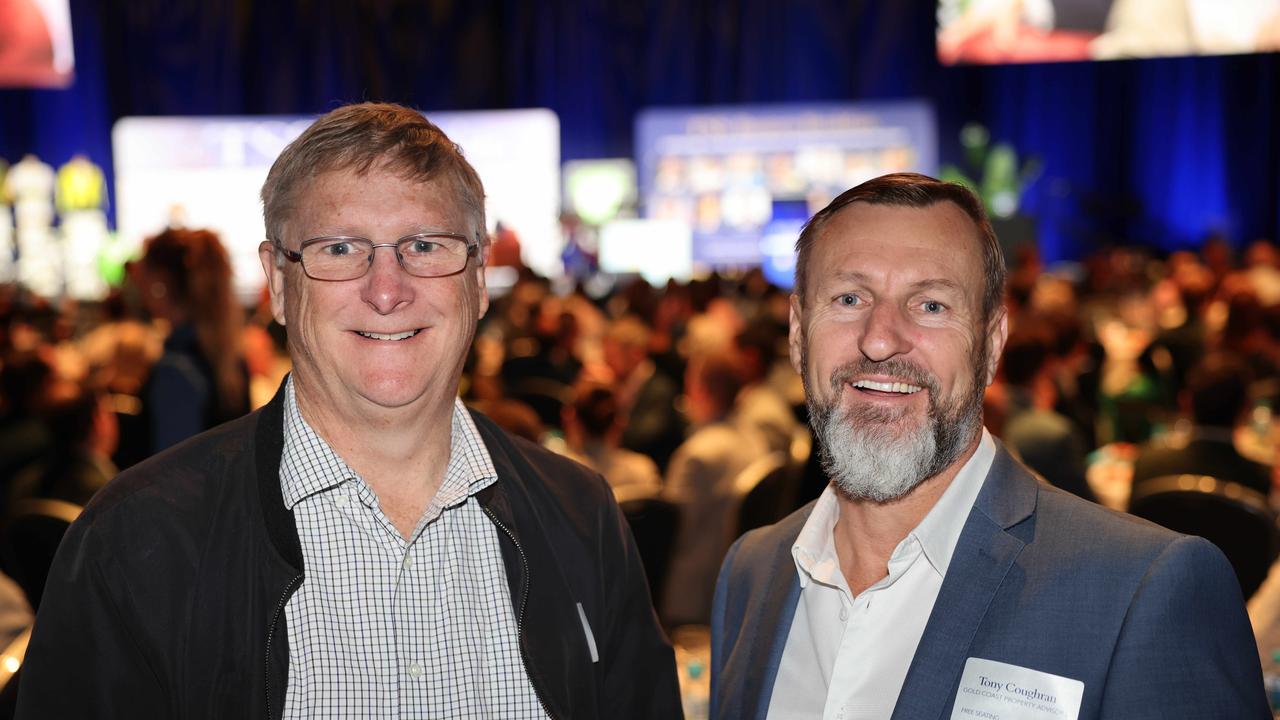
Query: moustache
(894, 367)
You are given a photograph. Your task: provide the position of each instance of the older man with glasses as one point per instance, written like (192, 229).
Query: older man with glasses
(364, 546)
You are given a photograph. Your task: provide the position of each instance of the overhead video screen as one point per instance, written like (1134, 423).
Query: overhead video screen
(1031, 31)
(35, 43)
(206, 172)
(745, 179)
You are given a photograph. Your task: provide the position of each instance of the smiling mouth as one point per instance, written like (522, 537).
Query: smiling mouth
(389, 336)
(893, 388)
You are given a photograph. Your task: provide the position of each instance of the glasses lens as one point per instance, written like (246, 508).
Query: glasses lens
(433, 255)
(336, 258)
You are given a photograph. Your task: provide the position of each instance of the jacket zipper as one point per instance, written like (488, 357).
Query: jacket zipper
(524, 598)
(271, 635)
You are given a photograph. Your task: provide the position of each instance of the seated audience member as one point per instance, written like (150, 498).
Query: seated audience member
(25, 378)
(646, 396)
(1216, 397)
(592, 431)
(760, 406)
(701, 481)
(1044, 440)
(83, 432)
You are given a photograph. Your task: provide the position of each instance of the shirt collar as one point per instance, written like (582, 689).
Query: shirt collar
(940, 530)
(937, 534)
(309, 465)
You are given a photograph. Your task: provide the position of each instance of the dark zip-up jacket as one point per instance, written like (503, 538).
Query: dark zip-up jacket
(166, 598)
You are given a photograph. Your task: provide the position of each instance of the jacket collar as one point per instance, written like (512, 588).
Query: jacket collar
(268, 444)
(988, 547)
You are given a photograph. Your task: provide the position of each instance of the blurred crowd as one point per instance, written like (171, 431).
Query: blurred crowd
(682, 395)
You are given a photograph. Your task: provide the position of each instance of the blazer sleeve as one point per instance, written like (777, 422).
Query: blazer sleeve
(639, 664)
(84, 659)
(1186, 648)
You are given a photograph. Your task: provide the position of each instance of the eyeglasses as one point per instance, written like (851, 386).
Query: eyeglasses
(425, 255)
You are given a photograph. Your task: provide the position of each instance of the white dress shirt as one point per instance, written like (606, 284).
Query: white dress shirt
(846, 657)
(383, 627)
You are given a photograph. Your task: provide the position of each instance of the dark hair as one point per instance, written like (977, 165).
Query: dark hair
(1219, 389)
(1025, 354)
(918, 191)
(356, 137)
(597, 411)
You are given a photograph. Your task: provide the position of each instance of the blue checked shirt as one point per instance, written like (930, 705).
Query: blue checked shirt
(384, 627)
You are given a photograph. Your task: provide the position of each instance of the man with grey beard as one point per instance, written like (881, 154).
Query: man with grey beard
(935, 577)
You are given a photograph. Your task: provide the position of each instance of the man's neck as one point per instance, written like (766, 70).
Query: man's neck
(868, 532)
(401, 453)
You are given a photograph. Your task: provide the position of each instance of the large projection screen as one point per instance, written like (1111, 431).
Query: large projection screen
(35, 43)
(1029, 31)
(206, 172)
(744, 179)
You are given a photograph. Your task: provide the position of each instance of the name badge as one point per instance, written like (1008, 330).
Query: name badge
(991, 690)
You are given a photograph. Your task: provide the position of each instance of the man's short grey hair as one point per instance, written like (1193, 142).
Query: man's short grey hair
(359, 137)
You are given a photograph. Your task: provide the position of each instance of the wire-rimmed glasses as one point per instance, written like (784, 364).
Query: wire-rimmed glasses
(340, 257)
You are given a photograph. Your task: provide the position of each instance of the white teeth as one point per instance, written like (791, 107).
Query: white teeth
(888, 387)
(393, 336)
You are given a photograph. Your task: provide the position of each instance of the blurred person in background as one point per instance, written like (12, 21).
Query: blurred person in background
(84, 434)
(1044, 440)
(1216, 399)
(201, 379)
(701, 480)
(26, 378)
(593, 432)
(646, 396)
(760, 406)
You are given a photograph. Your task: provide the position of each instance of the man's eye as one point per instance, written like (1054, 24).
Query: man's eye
(847, 299)
(422, 247)
(337, 249)
(932, 306)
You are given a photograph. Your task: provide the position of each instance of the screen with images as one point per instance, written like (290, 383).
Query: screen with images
(1032, 31)
(744, 179)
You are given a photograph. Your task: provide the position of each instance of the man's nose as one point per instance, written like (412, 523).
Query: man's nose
(386, 285)
(885, 333)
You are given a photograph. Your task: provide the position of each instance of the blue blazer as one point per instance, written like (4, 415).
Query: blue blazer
(1152, 622)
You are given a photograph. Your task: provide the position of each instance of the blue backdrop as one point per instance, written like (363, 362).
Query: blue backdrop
(1155, 152)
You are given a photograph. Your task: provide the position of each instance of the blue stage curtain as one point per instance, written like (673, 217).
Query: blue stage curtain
(1156, 152)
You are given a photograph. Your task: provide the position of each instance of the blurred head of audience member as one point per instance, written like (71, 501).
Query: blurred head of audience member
(1217, 391)
(83, 434)
(712, 384)
(184, 277)
(593, 433)
(626, 347)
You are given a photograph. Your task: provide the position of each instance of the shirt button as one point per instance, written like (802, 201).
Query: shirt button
(415, 670)
(407, 563)
(844, 613)
(340, 501)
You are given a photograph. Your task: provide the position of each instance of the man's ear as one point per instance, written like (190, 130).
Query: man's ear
(271, 267)
(795, 335)
(997, 333)
(482, 259)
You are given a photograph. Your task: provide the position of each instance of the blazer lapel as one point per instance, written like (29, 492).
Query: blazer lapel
(771, 615)
(982, 558)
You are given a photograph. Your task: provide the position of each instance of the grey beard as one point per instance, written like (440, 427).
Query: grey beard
(868, 457)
